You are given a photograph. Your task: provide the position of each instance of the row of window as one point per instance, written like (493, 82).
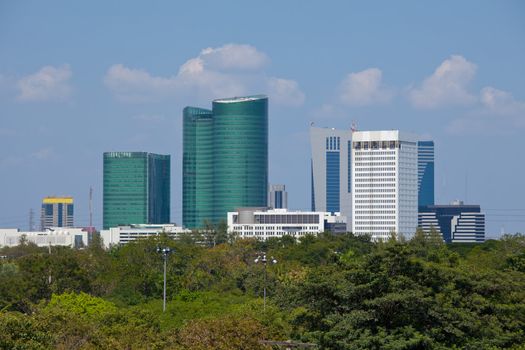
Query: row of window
(374, 185)
(374, 217)
(375, 206)
(333, 143)
(368, 153)
(372, 164)
(360, 159)
(377, 190)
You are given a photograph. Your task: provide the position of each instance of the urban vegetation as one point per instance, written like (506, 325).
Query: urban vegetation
(339, 292)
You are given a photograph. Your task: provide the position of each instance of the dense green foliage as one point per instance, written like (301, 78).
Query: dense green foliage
(340, 292)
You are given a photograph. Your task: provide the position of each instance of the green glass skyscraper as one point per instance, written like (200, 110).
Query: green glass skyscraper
(197, 158)
(136, 188)
(225, 158)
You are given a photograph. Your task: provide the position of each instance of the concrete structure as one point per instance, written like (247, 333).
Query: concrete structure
(384, 183)
(136, 188)
(456, 222)
(54, 236)
(278, 197)
(56, 212)
(264, 223)
(425, 172)
(225, 158)
(124, 234)
(331, 171)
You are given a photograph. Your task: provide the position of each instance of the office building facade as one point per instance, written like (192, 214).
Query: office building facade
(136, 188)
(235, 138)
(197, 177)
(264, 223)
(72, 237)
(124, 234)
(384, 183)
(457, 222)
(57, 212)
(425, 172)
(278, 197)
(331, 189)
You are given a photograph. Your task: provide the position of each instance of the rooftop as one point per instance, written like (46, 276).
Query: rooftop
(240, 99)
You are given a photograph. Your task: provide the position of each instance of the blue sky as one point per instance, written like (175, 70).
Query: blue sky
(78, 79)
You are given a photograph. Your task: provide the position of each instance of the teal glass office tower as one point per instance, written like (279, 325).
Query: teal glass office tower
(136, 188)
(238, 148)
(197, 159)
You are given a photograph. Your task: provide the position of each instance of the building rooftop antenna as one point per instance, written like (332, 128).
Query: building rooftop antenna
(353, 127)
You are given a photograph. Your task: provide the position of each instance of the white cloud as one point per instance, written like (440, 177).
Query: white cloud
(285, 92)
(233, 56)
(229, 70)
(446, 86)
(49, 83)
(135, 85)
(364, 88)
(498, 111)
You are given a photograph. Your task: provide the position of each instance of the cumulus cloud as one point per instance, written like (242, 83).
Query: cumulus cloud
(498, 111)
(364, 88)
(232, 56)
(49, 83)
(229, 70)
(446, 86)
(285, 92)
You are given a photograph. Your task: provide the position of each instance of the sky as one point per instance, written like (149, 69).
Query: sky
(81, 78)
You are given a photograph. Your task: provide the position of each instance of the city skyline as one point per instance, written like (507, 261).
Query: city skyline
(458, 84)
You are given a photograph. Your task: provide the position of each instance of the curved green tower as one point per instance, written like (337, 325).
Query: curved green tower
(197, 167)
(240, 154)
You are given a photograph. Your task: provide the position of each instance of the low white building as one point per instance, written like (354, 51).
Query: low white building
(128, 233)
(263, 223)
(54, 236)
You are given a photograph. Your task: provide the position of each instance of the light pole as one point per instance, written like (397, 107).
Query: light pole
(262, 259)
(165, 252)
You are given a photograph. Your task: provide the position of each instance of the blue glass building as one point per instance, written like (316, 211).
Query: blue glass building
(456, 222)
(425, 172)
(331, 170)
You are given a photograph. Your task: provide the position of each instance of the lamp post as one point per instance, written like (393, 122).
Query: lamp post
(165, 252)
(262, 259)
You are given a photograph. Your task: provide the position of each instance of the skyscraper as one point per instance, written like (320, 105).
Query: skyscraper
(225, 158)
(136, 188)
(425, 172)
(197, 159)
(384, 186)
(278, 197)
(331, 170)
(56, 212)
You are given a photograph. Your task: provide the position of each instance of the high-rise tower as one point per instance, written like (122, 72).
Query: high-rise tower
(278, 197)
(225, 158)
(384, 172)
(331, 170)
(197, 159)
(56, 212)
(136, 188)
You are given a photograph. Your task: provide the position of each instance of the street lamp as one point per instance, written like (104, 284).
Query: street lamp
(262, 259)
(165, 252)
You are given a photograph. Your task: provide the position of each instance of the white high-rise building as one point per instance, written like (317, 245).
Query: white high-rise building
(385, 183)
(331, 173)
